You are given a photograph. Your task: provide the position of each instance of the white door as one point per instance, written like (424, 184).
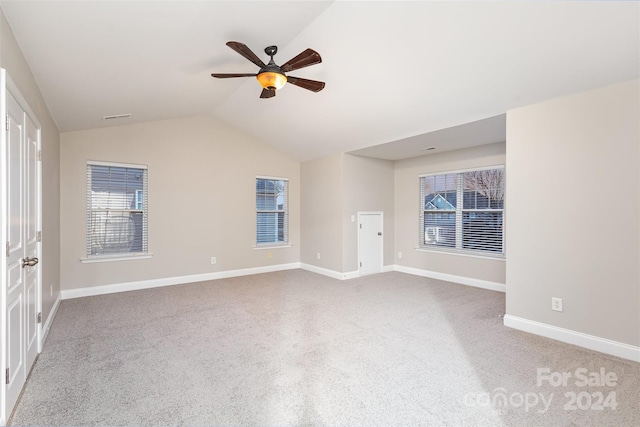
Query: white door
(370, 242)
(30, 225)
(21, 249)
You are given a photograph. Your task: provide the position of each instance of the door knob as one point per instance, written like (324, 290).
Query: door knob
(29, 262)
(379, 233)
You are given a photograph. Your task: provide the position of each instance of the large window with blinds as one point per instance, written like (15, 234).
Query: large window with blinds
(116, 210)
(272, 211)
(463, 211)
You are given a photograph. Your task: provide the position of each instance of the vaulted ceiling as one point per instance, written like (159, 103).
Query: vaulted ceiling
(396, 72)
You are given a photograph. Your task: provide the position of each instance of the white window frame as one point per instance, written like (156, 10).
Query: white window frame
(284, 211)
(458, 211)
(139, 207)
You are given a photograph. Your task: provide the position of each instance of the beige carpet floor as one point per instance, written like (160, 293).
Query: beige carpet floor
(296, 348)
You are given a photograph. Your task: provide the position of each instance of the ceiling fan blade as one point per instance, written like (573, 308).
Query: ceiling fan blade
(243, 50)
(229, 75)
(312, 85)
(306, 58)
(268, 93)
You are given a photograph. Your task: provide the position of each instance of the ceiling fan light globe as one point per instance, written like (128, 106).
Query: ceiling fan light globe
(269, 79)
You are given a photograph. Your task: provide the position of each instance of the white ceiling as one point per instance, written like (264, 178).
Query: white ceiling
(394, 70)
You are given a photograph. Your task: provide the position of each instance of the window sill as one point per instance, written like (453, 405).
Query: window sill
(497, 257)
(118, 257)
(271, 246)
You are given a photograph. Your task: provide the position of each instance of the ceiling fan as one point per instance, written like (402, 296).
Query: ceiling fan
(271, 76)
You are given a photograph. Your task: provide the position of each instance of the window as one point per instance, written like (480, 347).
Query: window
(116, 209)
(463, 211)
(272, 221)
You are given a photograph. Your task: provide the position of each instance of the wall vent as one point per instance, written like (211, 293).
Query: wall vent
(116, 116)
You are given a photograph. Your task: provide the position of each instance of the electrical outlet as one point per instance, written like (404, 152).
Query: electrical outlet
(399, 254)
(556, 304)
(269, 254)
(318, 255)
(213, 260)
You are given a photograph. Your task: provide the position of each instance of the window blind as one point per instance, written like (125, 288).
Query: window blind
(116, 209)
(463, 211)
(272, 211)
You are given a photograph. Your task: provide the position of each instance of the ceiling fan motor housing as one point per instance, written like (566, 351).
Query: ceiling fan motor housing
(271, 77)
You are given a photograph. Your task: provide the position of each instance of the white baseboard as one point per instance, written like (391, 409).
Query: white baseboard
(388, 268)
(170, 281)
(47, 325)
(340, 276)
(330, 273)
(484, 284)
(568, 336)
(350, 275)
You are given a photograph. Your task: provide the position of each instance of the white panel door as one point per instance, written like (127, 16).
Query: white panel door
(16, 247)
(3, 230)
(22, 283)
(370, 242)
(30, 226)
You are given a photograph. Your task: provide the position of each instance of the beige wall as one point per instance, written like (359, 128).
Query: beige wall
(322, 207)
(573, 210)
(367, 186)
(12, 60)
(407, 203)
(333, 189)
(201, 199)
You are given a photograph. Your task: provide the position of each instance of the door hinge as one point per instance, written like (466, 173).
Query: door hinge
(39, 236)
(6, 122)
(360, 264)
(7, 377)
(40, 317)
(8, 248)
(39, 155)
(360, 226)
